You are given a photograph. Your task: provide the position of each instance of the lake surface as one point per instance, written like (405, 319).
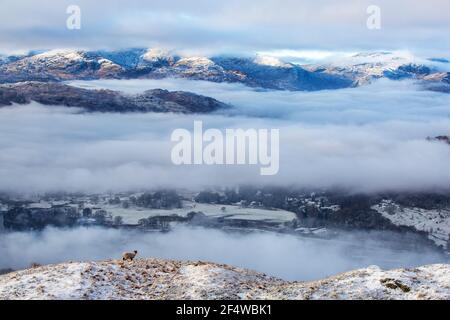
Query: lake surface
(285, 256)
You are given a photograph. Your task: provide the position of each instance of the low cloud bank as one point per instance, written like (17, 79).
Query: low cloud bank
(367, 139)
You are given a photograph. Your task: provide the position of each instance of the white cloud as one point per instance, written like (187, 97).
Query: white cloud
(369, 138)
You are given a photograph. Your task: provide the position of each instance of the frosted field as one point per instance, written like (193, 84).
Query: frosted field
(132, 215)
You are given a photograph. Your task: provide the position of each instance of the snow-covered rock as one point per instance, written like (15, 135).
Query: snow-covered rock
(156, 55)
(53, 65)
(198, 65)
(108, 68)
(58, 56)
(165, 279)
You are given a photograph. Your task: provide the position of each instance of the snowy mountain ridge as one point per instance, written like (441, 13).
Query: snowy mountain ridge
(363, 68)
(166, 279)
(262, 71)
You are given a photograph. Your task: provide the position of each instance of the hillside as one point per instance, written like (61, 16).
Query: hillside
(155, 100)
(435, 222)
(165, 279)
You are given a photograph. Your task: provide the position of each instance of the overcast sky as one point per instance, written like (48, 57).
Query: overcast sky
(228, 26)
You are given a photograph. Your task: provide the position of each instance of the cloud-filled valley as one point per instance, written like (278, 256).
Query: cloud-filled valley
(367, 139)
(285, 256)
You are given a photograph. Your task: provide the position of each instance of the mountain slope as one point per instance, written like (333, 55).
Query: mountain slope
(434, 222)
(156, 100)
(363, 68)
(267, 72)
(154, 63)
(164, 279)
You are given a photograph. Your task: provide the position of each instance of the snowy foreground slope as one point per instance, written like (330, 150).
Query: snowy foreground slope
(165, 279)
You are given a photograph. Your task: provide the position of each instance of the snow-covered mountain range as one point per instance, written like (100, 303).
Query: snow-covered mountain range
(259, 71)
(363, 68)
(164, 279)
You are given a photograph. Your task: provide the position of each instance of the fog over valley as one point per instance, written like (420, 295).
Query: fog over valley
(365, 139)
(284, 256)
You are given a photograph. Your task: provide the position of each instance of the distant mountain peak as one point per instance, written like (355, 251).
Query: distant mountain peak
(365, 67)
(196, 61)
(157, 54)
(62, 53)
